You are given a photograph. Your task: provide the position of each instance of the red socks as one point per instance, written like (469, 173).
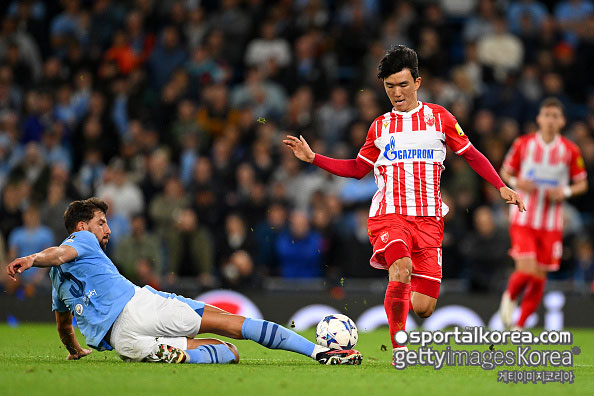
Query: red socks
(517, 283)
(531, 299)
(396, 304)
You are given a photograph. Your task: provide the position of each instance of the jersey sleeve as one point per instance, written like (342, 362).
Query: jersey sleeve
(369, 152)
(57, 303)
(84, 242)
(456, 139)
(513, 158)
(577, 167)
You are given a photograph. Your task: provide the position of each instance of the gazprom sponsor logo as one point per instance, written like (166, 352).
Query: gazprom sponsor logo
(392, 154)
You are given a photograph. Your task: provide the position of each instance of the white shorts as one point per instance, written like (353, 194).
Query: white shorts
(152, 318)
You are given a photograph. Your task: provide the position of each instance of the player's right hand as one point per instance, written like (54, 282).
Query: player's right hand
(19, 265)
(511, 197)
(80, 354)
(300, 148)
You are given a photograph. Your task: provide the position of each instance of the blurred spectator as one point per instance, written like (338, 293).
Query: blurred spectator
(486, 250)
(52, 211)
(334, 117)
(356, 250)
(570, 15)
(216, 114)
(299, 249)
(139, 255)
(266, 98)
(266, 235)
(31, 238)
(14, 194)
(158, 170)
(482, 23)
(584, 262)
(91, 172)
(190, 250)
(166, 205)
(237, 270)
(126, 197)
(521, 14)
(268, 51)
(500, 51)
(235, 237)
(167, 56)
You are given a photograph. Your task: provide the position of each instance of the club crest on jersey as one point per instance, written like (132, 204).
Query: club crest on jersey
(429, 119)
(384, 236)
(78, 309)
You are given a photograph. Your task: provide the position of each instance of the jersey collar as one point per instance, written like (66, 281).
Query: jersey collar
(420, 104)
(541, 141)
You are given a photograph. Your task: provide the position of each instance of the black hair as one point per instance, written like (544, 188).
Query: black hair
(552, 102)
(83, 210)
(396, 59)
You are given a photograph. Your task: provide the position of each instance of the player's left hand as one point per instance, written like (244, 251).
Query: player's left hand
(80, 354)
(512, 197)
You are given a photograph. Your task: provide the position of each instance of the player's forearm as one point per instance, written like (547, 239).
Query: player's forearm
(68, 338)
(66, 332)
(508, 178)
(578, 188)
(481, 165)
(355, 168)
(53, 256)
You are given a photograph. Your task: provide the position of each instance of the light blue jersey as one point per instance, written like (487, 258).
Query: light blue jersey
(91, 288)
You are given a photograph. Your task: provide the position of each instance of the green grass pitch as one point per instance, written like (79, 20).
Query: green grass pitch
(32, 362)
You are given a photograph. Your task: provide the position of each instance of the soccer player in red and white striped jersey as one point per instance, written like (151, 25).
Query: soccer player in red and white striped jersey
(546, 168)
(406, 148)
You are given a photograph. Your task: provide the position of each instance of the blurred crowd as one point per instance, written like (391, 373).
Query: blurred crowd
(173, 112)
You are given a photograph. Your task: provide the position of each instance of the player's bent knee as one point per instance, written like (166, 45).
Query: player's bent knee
(424, 312)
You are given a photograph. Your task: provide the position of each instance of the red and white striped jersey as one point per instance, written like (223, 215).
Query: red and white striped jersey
(546, 165)
(407, 151)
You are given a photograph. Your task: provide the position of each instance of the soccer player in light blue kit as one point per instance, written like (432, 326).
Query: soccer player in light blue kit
(143, 324)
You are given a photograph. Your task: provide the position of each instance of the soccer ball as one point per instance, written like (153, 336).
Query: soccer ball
(337, 332)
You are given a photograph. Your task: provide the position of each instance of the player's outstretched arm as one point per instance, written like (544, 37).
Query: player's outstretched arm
(68, 336)
(50, 257)
(355, 168)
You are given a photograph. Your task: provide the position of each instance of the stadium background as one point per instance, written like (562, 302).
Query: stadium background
(174, 111)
